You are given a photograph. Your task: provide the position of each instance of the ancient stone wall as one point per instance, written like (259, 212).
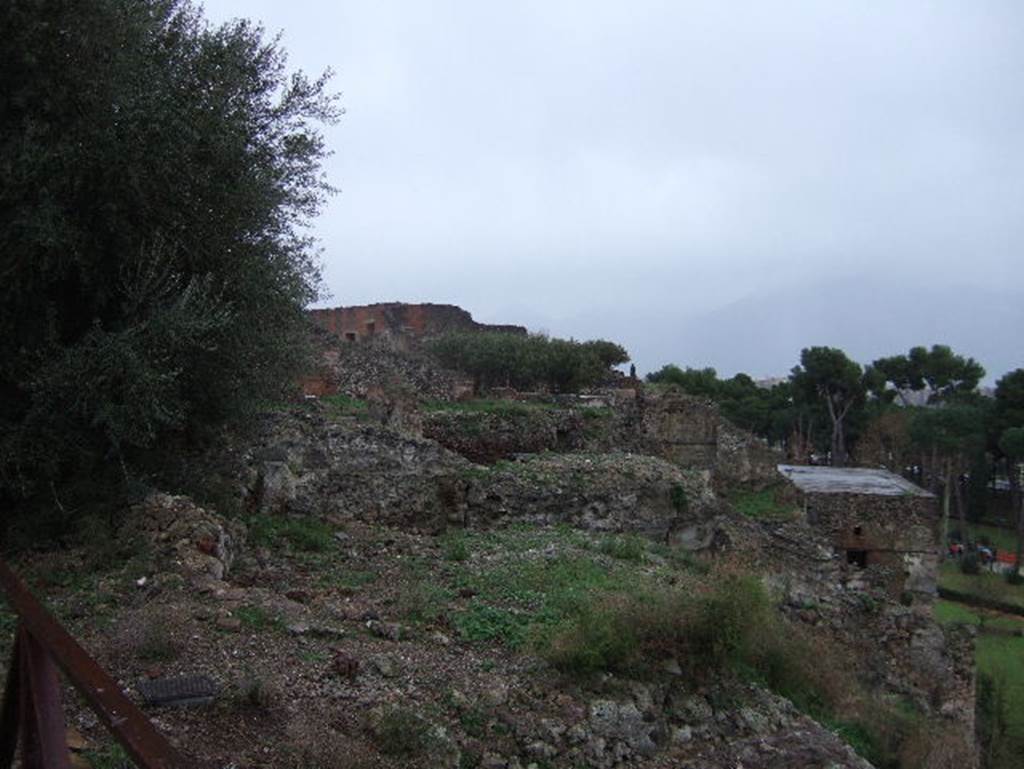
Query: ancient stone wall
(892, 540)
(623, 493)
(487, 437)
(679, 428)
(397, 319)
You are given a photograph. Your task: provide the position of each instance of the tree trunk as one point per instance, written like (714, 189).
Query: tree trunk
(1014, 472)
(838, 447)
(960, 505)
(945, 507)
(838, 444)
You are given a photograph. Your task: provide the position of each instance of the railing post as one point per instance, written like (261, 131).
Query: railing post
(32, 698)
(10, 710)
(44, 741)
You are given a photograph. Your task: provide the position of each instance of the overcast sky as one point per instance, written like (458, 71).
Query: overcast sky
(710, 183)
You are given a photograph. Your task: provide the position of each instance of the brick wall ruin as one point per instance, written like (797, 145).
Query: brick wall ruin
(400, 320)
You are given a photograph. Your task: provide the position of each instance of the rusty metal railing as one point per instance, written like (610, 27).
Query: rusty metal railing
(31, 706)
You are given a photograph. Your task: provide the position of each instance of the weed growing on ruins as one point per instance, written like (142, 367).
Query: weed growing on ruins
(257, 693)
(627, 547)
(761, 505)
(708, 627)
(147, 635)
(113, 757)
(348, 579)
(502, 408)
(314, 744)
(258, 618)
(422, 601)
(401, 732)
(482, 622)
(455, 546)
(343, 406)
(306, 534)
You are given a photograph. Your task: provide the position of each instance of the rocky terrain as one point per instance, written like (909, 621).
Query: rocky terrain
(370, 646)
(382, 584)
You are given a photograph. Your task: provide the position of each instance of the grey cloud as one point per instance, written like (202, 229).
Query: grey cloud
(612, 168)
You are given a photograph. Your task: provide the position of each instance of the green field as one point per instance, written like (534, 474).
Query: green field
(1002, 539)
(986, 585)
(998, 654)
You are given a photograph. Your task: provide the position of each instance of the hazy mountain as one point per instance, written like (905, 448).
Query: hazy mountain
(762, 334)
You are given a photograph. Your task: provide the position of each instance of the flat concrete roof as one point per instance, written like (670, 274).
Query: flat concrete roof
(813, 479)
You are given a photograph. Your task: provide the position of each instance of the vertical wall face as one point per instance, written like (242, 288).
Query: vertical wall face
(897, 534)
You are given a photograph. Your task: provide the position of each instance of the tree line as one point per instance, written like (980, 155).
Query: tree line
(918, 413)
(527, 361)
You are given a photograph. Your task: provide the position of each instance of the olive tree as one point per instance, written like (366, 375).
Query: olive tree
(157, 176)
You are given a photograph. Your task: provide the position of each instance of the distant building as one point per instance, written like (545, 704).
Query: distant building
(883, 527)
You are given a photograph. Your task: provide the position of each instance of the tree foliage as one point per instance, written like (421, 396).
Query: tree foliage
(157, 176)
(827, 375)
(1009, 397)
(497, 359)
(939, 371)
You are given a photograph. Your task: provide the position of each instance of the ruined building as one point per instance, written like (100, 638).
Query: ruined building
(387, 350)
(400, 321)
(885, 528)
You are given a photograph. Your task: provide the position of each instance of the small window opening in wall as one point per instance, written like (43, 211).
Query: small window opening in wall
(858, 530)
(858, 558)
(371, 327)
(350, 336)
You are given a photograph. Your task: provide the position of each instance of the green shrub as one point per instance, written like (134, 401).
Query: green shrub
(625, 548)
(402, 733)
(707, 631)
(455, 547)
(422, 600)
(680, 502)
(482, 622)
(527, 361)
(113, 757)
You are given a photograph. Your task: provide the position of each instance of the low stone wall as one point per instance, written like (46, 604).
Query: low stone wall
(601, 492)
(486, 437)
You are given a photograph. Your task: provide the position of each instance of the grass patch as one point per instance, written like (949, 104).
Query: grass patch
(343, 406)
(113, 757)
(258, 618)
(423, 601)
(455, 546)
(763, 505)
(483, 622)
(525, 580)
(985, 585)
(1000, 659)
(278, 532)
(627, 547)
(503, 408)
